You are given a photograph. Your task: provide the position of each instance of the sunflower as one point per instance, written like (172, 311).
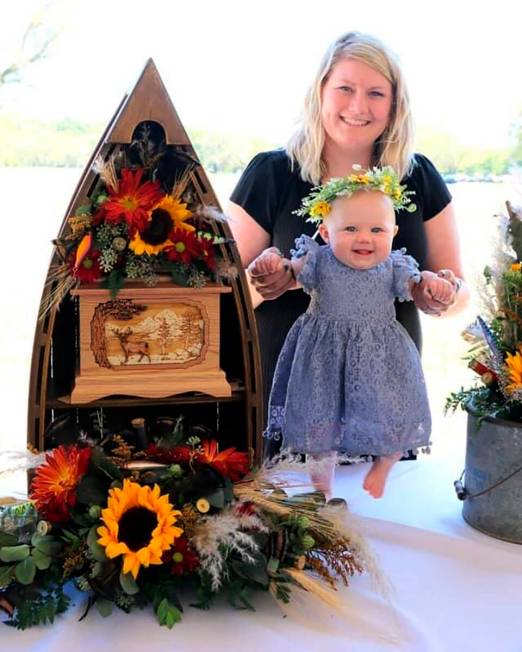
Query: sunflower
(514, 369)
(177, 211)
(54, 485)
(139, 524)
(131, 201)
(230, 463)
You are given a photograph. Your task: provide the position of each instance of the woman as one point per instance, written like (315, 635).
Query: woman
(356, 112)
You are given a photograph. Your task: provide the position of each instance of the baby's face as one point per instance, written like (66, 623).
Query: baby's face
(360, 229)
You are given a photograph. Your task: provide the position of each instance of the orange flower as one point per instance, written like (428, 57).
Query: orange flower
(55, 481)
(131, 201)
(514, 371)
(231, 463)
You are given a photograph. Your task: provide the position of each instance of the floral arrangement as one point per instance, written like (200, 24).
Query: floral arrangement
(134, 528)
(495, 338)
(140, 222)
(317, 205)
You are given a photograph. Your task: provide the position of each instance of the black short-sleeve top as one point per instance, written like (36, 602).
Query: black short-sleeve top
(269, 190)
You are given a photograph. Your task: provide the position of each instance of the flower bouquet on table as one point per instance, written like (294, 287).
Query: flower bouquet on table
(141, 221)
(495, 338)
(179, 517)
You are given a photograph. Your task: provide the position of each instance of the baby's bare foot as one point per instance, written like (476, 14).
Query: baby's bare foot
(375, 480)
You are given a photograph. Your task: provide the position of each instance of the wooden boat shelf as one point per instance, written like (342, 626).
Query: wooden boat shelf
(235, 419)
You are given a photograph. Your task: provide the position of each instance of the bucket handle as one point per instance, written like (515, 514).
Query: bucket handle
(463, 494)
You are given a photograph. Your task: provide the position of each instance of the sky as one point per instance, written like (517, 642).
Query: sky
(243, 67)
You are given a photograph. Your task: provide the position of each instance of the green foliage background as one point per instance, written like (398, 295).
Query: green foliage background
(28, 142)
(68, 143)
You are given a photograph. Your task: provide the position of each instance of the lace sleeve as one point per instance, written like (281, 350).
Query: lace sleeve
(405, 269)
(306, 246)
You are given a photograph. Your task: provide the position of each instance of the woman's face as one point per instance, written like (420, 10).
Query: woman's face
(356, 106)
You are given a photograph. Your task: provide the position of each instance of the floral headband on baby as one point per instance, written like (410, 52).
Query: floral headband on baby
(318, 204)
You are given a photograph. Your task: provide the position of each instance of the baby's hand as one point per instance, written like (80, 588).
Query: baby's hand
(267, 263)
(440, 289)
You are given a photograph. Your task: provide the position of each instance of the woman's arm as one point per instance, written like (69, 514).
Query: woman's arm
(443, 253)
(252, 240)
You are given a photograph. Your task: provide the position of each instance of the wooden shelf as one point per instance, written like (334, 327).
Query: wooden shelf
(64, 402)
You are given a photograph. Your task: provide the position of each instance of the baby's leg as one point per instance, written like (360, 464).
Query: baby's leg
(375, 479)
(322, 469)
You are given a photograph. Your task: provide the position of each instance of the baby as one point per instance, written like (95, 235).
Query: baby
(349, 378)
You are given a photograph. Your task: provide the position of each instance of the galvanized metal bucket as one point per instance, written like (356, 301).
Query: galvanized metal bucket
(493, 478)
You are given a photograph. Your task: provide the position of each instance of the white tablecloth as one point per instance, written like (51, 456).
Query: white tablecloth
(454, 588)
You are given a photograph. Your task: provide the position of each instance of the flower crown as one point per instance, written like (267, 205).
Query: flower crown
(318, 204)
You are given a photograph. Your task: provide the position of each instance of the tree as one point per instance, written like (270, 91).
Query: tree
(164, 335)
(34, 46)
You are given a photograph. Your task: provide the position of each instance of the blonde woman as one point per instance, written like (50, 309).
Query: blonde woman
(356, 112)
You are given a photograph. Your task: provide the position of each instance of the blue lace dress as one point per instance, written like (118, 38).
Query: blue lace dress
(349, 377)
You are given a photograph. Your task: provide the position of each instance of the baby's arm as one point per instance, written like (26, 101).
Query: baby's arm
(438, 288)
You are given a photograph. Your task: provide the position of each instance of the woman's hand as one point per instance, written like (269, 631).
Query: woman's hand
(270, 274)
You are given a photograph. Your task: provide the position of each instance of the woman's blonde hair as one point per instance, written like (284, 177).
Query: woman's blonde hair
(394, 146)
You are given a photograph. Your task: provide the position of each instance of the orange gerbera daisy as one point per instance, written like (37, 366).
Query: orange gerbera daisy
(138, 524)
(231, 463)
(54, 485)
(132, 200)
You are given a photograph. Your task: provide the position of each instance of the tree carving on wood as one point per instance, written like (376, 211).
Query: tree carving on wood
(123, 309)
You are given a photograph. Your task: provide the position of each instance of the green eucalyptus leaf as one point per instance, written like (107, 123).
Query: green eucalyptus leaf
(128, 584)
(25, 571)
(104, 607)
(255, 571)
(228, 490)
(97, 568)
(6, 574)
(273, 565)
(41, 560)
(7, 539)
(48, 545)
(104, 464)
(97, 551)
(217, 499)
(167, 614)
(14, 553)
(114, 282)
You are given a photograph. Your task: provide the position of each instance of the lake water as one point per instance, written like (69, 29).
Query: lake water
(34, 201)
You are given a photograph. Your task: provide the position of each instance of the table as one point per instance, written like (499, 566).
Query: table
(454, 588)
